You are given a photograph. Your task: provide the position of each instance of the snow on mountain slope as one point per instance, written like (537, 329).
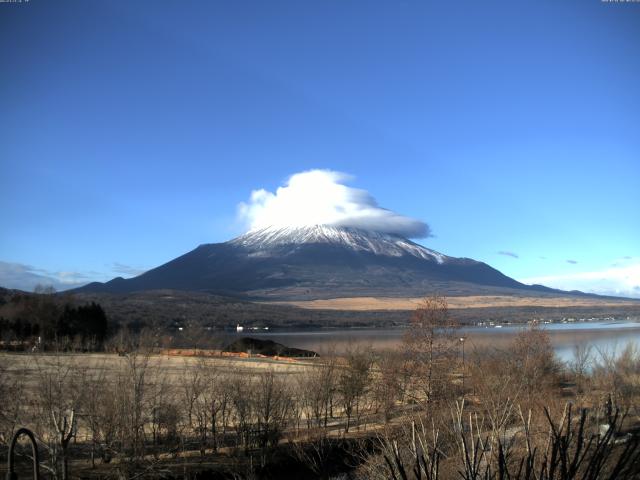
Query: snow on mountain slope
(262, 241)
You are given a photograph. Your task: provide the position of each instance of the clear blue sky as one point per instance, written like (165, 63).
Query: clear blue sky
(131, 130)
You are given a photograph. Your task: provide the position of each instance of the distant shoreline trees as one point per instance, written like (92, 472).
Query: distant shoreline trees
(45, 318)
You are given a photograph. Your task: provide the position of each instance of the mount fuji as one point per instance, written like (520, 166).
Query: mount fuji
(319, 261)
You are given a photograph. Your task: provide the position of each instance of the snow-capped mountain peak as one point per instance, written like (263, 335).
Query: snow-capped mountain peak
(317, 261)
(260, 241)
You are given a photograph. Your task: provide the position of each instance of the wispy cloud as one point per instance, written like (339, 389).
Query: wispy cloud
(123, 269)
(508, 254)
(573, 262)
(26, 277)
(621, 261)
(621, 281)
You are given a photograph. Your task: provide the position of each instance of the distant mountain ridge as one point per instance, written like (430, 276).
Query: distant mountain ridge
(318, 261)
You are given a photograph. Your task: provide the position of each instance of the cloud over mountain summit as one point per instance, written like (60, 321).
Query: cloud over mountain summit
(320, 197)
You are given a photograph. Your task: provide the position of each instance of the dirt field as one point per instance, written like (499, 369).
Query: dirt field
(410, 303)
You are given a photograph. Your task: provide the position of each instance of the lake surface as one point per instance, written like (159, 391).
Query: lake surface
(607, 336)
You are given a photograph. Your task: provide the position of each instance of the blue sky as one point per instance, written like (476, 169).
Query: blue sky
(131, 131)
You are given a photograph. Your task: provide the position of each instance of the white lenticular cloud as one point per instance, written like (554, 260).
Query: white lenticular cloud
(320, 197)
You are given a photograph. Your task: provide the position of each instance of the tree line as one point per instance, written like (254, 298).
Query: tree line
(43, 318)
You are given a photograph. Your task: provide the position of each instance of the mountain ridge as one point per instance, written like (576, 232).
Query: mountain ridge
(317, 261)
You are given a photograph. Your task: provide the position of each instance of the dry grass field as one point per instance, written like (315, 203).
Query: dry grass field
(464, 302)
(173, 367)
(173, 414)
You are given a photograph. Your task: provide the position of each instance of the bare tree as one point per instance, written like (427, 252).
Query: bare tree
(125, 411)
(567, 450)
(581, 364)
(615, 374)
(242, 391)
(431, 344)
(60, 390)
(272, 405)
(163, 415)
(317, 454)
(193, 385)
(498, 388)
(137, 371)
(353, 382)
(13, 410)
(219, 393)
(318, 390)
(531, 359)
(412, 452)
(389, 383)
(92, 409)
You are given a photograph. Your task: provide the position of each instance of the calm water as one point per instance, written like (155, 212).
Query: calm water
(609, 336)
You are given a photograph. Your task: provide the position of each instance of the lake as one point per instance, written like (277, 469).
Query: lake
(609, 336)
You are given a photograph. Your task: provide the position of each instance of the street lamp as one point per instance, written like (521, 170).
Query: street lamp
(462, 339)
